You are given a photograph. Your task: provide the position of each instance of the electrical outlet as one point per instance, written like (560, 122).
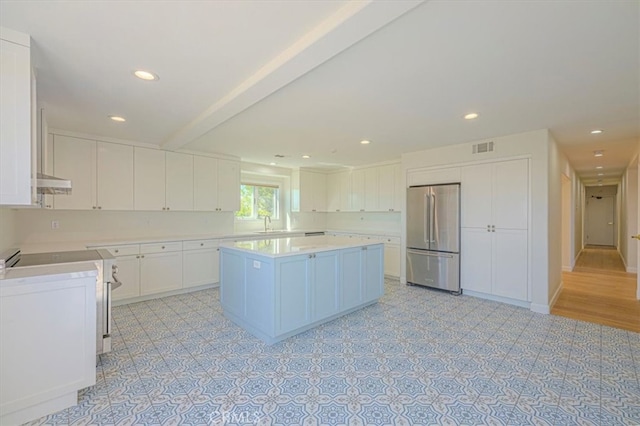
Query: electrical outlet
(55, 224)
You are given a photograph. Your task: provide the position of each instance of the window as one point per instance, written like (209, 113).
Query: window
(258, 201)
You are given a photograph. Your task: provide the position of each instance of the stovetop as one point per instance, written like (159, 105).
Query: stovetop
(37, 259)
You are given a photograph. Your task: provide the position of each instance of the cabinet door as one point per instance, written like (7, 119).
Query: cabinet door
(344, 182)
(307, 191)
(325, 295)
(179, 181)
(228, 185)
(476, 259)
(292, 293)
(386, 187)
(351, 279)
(357, 190)
(392, 259)
(75, 159)
(510, 264)
(373, 285)
(319, 194)
(114, 182)
(200, 267)
(205, 183)
(400, 189)
(15, 131)
(333, 192)
(476, 196)
(129, 276)
(149, 179)
(511, 194)
(160, 272)
(371, 189)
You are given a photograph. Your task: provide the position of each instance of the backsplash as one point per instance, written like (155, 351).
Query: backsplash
(383, 222)
(35, 226)
(7, 228)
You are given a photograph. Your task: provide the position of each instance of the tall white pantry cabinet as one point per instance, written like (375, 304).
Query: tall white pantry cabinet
(494, 234)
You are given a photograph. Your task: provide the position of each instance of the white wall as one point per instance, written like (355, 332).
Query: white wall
(558, 167)
(8, 237)
(578, 192)
(628, 214)
(566, 224)
(34, 225)
(536, 145)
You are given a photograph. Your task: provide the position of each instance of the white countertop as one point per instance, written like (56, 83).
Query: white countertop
(297, 245)
(38, 274)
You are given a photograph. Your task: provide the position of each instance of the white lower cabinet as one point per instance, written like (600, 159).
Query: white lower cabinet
(160, 267)
(47, 343)
(129, 276)
(391, 258)
(200, 263)
(495, 262)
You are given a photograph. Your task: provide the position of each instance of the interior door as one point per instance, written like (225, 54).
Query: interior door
(600, 221)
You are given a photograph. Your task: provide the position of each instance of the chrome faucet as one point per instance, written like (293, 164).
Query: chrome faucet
(266, 217)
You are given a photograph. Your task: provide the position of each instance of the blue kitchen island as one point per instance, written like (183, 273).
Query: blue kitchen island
(280, 287)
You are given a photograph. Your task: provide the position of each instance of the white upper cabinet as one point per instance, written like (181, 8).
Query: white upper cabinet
(149, 179)
(101, 174)
(75, 159)
(308, 191)
(16, 138)
(228, 185)
(338, 192)
(371, 189)
(399, 188)
(357, 190)
(114, 176)
(179, 181)
(496, 194)
(205, 183)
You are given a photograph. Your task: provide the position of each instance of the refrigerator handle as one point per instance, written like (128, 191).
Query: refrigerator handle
(432, 218)
(427, 218)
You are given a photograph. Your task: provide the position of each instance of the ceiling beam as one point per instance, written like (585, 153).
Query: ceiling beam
(348, 25)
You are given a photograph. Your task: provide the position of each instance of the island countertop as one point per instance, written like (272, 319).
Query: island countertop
(279, 247)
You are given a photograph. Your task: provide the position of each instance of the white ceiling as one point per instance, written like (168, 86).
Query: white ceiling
(259, 78)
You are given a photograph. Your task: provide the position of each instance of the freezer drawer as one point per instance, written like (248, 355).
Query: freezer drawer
(434, 269)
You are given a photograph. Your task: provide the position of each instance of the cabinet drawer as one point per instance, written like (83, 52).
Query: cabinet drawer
(160, 247)
(126, 250)
(199, 244)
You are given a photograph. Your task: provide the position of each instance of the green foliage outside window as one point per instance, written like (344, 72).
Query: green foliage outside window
(257, 202)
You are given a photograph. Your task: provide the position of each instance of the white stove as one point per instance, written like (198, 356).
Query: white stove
(106, 281)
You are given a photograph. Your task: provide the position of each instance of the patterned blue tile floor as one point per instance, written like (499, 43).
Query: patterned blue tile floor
(419, 357)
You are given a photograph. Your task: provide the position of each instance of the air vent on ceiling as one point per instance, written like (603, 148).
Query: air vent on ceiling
(479, 148)
(279, 156)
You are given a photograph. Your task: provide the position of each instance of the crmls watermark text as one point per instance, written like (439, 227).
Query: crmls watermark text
(242, 417)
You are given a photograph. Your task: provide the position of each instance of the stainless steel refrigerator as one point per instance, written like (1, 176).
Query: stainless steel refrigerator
(433, 236)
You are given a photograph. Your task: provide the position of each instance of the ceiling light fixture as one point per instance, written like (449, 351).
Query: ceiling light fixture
(306, 156)
(596, 132)
(117, 118)
(597, 153)
(471, 116)
(365, 142)
(272, 164)
(598, 167)
(146, 75)
(600, 174)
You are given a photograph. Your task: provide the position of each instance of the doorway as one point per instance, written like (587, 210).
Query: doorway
(600, 212)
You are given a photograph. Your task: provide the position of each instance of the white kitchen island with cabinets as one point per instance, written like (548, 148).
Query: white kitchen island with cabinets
(277, 288)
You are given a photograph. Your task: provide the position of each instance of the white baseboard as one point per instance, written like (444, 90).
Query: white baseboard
(554, 299)
(567, 269)
(632, 269)
(540, 308)
(481, 295)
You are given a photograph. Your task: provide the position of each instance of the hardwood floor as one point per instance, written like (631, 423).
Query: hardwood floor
(600, 291)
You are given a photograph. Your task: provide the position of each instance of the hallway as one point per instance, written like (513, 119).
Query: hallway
(600, 291)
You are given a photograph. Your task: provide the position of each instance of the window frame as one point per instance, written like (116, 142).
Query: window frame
(277, 201)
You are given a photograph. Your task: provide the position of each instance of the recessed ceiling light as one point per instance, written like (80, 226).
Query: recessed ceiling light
(272, 164)
(117, 118)
(600, 174)
(599, 184)
(598, 167)
(146, 75)
(596, 132)
(365, 142)
(597, 153)
(306, 156)
(471, 116)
